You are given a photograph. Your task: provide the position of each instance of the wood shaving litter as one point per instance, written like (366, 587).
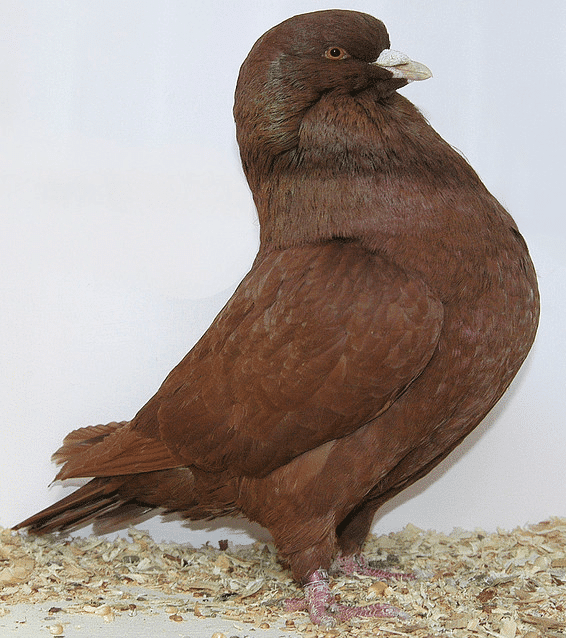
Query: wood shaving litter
(509, 584)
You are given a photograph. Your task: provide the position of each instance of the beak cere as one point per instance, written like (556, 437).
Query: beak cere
(402, 66)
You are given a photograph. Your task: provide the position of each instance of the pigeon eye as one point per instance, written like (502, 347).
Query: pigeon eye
(335, 53)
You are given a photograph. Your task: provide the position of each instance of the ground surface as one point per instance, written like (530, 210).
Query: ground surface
(510, 584)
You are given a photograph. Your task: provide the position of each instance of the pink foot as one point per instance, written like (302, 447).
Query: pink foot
(325, 611)
(357, 564)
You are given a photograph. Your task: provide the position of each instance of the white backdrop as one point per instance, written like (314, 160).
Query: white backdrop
(127, 223)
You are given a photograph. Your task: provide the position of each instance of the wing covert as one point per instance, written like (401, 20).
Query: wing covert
(315, 342)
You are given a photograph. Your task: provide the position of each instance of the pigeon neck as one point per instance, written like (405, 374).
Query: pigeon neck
(360, 168)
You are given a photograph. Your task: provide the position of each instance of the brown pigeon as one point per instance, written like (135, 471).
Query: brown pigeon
(390, 305)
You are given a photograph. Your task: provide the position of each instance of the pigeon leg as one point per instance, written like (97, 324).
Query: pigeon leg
(319, 600)
(326, 612)
(351, 534)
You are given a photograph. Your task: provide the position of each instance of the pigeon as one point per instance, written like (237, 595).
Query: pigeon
(390, 305)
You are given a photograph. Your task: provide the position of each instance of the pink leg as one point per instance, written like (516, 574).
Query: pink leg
(325, 611)
(357, 564)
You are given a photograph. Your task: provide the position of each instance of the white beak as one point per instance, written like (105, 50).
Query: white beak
(402, 66)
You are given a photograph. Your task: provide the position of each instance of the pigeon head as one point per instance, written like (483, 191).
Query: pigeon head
(302, 60)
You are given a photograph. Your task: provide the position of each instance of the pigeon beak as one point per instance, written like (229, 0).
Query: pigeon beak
(402, 66)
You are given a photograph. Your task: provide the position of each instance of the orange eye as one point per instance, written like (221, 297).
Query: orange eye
(335, 53)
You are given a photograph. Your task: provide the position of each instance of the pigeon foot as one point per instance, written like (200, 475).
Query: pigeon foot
(325, 611)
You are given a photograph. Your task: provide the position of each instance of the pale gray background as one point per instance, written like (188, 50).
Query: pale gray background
(126, 221)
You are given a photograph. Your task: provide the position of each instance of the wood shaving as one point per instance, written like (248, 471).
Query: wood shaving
(509, 584)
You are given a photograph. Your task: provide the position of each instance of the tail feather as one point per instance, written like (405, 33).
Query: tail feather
(102, 501)
(146, 480)
(99, 497)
